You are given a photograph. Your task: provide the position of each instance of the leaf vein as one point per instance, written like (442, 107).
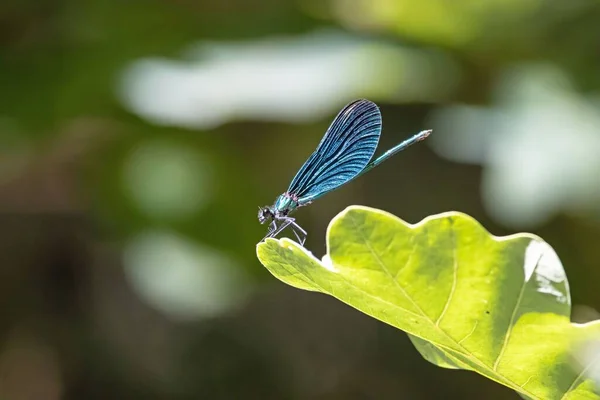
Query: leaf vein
(469, 334)
(454, 278)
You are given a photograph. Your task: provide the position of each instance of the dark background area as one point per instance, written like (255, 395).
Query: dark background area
(137, 139)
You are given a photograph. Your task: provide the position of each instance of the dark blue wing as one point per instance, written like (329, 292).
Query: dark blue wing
(344, 151)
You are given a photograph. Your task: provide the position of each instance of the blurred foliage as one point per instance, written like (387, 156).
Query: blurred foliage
(496, 306)
(91, 190)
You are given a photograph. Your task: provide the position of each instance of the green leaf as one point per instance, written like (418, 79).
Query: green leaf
(499, 306)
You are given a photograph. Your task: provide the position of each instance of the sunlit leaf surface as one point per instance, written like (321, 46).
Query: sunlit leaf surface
(497, 306)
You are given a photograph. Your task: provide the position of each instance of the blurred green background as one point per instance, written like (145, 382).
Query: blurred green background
(137, 139)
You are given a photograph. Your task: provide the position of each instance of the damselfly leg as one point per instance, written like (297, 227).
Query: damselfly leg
(291, 221)
(272, 229)
(295, 225)
(285, 222)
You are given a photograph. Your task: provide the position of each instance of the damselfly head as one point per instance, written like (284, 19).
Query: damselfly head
(264, 213)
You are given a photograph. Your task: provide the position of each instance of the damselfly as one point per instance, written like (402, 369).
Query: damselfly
(344, 154)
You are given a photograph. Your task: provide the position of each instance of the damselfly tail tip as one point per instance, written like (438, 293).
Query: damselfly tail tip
(425, 134)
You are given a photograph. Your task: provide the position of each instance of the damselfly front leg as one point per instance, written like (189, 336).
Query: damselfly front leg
(272, 228)
(285, 223)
